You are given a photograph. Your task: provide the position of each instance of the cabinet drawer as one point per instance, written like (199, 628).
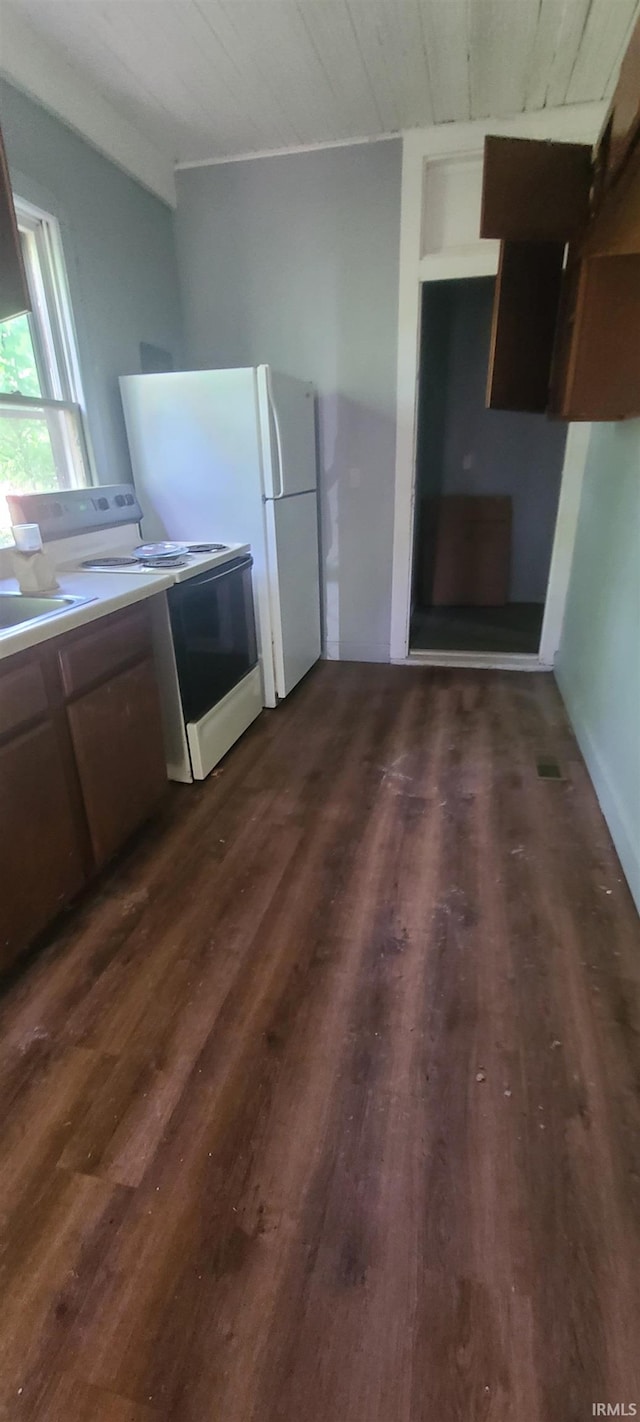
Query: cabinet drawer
(95, 653)
(23, 695)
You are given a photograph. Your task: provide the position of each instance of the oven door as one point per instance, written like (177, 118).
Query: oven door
(214, 635)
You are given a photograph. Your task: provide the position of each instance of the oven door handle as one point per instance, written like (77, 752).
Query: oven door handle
(203, 580)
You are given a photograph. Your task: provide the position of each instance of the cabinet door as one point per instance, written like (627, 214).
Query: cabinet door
(625, 108)
(40, 849)
(525, 311)
(535, 191)
(14, 295)
(117, 738)
(601, 375)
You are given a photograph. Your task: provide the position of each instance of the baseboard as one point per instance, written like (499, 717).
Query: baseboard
(615, 814)
(478, 661)
(356, 652)
(475, 661)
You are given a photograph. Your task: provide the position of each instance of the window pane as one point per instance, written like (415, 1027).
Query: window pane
(18, 369)
(39, 452)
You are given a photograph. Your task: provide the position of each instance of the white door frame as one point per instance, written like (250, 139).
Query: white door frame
(438, 246)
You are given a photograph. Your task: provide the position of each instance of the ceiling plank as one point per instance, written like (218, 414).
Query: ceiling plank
(371, 25)
(446, 39)
(605, 37)
(559, 32)
(273, 36)
(202, 43)
(332, 33)
(194, 56)
(501, 39)
(393, 45)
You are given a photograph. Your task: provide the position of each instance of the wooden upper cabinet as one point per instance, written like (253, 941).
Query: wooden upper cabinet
(624, 125)
(615, 229)
(524, 325)
(568, 342)
(599, 376)
(14, 293)
(534, 190)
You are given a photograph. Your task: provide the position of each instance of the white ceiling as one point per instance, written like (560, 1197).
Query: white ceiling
(208, 79)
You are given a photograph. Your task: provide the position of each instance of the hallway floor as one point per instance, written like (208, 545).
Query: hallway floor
(516, 627)
(325, 1107)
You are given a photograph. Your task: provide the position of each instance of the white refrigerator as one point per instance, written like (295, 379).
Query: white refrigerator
(230, 456)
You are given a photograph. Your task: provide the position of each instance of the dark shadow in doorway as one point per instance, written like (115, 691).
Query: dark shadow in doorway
(487, 488)
(510, 629)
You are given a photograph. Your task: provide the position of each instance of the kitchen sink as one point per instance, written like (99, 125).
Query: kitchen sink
(18, 608)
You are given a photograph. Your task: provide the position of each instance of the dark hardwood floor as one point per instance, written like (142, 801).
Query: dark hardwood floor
(326, 1108)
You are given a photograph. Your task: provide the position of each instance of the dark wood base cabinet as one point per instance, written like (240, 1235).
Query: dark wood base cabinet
(120, 774)
(81, 765)
(41, 849)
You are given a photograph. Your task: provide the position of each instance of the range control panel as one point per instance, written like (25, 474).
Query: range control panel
(70, 511)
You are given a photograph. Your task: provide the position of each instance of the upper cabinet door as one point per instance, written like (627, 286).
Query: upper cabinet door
(524, 325)
(14, 293)
(624, 125)
(599, 377)
(535, 191)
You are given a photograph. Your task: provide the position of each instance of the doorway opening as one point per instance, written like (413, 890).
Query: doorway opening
(487, 490)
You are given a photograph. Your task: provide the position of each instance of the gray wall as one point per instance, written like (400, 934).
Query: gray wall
(293, 261)
(598, 665)
(120, 257)
(472, 450)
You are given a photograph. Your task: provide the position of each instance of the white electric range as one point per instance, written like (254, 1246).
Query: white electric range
(203, 617)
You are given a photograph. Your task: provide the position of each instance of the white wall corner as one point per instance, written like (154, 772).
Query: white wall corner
(42, 72)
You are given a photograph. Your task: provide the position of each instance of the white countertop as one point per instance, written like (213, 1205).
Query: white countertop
(110, 592)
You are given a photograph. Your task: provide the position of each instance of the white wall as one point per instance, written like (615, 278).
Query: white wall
(293, 261)
(598, 666)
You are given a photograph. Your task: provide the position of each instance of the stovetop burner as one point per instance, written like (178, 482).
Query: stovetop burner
(97, 565)
(152, 556)
(108, 562)
(207, 547)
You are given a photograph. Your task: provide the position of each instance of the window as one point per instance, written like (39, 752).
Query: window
(42, 441)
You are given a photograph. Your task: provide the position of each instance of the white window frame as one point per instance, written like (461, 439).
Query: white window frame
(55, 347)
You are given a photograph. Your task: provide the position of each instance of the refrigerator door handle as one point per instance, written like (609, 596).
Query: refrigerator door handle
(273, 411)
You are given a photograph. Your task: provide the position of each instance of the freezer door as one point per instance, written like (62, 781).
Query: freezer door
(287, 420)
(196, 452)
(292, 538)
